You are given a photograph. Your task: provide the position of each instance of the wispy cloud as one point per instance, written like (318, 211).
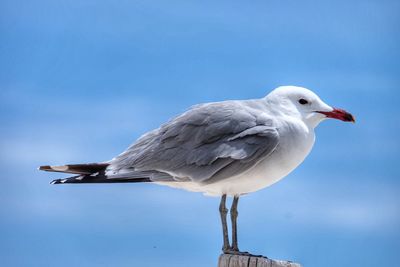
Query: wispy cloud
(332, 204)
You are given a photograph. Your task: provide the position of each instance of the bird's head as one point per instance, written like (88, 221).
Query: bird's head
(306, 105)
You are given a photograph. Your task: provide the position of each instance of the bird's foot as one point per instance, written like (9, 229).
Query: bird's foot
(236, 251)
(226, 248)
(241, 253)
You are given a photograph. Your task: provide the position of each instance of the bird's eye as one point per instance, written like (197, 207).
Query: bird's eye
(303, 101)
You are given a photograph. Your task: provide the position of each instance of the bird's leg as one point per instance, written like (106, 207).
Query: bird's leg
(223, 211)
(234, 215)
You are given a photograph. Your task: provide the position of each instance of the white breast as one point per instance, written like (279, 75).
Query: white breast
(295, 143)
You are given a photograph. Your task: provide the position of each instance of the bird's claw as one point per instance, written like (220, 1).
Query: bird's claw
(240, 253)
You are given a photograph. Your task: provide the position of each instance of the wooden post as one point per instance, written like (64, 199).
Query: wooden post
(229, 260)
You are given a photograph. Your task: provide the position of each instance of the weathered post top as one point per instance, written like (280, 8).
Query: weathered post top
(229, 260)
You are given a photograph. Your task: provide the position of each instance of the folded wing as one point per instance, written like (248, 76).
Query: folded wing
(205, 144)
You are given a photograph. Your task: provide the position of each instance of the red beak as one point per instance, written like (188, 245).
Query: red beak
(339, 114)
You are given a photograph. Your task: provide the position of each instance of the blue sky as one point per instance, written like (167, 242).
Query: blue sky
(81, 80)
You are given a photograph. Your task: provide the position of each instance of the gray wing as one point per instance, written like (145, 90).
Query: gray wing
(205, 144)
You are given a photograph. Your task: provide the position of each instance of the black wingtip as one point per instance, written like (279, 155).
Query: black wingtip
(57, 181)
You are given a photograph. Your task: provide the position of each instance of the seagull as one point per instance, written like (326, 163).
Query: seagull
(229, 148)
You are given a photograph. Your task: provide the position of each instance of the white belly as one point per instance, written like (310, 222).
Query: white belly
(291, 151)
